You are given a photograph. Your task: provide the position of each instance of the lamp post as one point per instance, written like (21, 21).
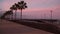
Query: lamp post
(51, 16)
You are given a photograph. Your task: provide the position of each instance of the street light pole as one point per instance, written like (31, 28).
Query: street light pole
(51, 16)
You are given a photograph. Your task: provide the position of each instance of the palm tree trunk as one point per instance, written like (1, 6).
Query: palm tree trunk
(21, 15)
(15, 14)
(12, 16)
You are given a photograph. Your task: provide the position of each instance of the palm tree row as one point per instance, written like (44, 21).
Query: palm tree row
(9, 12)
(14, 8)
(20, 5)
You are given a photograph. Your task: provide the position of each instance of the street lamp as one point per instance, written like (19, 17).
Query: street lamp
(51, 16)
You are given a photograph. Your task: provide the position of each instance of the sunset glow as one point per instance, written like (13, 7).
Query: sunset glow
(35, 5)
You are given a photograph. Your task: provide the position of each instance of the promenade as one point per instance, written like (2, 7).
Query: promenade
(7, 27)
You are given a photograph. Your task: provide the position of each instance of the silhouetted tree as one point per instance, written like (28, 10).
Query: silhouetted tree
(14, 7)
(7, 13)
(21, 5)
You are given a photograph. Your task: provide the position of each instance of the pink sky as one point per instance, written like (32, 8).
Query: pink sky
(32, 4)
(35, 5)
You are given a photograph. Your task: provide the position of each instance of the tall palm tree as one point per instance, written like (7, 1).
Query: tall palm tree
(21, 5)
(14, 8)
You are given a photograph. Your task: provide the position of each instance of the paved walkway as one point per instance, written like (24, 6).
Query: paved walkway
(7, 27)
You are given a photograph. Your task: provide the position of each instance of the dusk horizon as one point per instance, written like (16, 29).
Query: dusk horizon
(36, 9)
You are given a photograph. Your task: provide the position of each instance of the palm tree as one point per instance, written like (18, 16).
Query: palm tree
(10, 12)
(21, 5)
(7, 13)
(14, 8)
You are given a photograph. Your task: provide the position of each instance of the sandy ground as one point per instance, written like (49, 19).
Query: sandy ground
(7, 27)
